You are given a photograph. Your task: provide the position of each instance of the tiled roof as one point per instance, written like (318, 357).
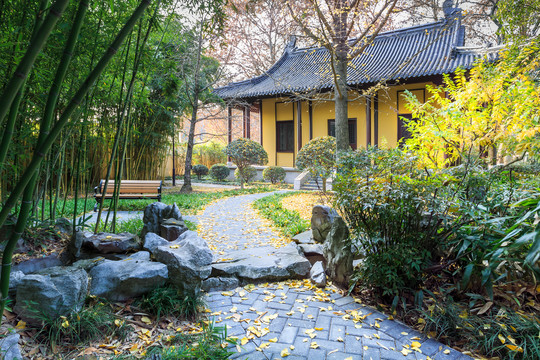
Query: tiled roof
(418, 51)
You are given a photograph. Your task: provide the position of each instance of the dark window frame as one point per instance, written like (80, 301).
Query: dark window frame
(283, 148)
(401, 131)
(351, 121)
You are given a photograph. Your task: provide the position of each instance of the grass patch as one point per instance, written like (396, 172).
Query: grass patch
(169, 301)
(94, 321)
(208, 344)
(289, 222)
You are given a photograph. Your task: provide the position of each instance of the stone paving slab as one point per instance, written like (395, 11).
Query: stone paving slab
(295, 316)
(317, 324)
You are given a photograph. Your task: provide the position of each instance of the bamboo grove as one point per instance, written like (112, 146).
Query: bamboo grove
(89, 90)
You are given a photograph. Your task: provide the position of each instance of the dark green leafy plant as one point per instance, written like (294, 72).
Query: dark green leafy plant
(318, 156)
(200, 170)
(246, 152)
(246, 174)
(219, 172)
(274, 174)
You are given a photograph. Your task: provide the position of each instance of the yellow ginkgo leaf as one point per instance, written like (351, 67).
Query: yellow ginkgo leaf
(244, 341)
(446, 351)
(406, 352)
(340, 339)
(514, 348)
(285, 352)
(314, 345)
(146, 320)
(174, 246)
(273, 340)
(21, 325)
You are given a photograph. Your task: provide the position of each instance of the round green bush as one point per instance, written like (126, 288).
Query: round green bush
(246, 174)
(274, 174)
(219, 172)
(200, 170)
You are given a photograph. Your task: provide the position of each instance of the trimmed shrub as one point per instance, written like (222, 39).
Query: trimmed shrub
(318, 157)
(274, 174)
(219, 172)
(246, 174)
(200, 170)
(245, 152)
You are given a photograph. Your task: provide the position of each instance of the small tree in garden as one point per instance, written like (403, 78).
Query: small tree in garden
(318, 157)
(274, 174)
(200, 170)
(246, 152)
(247, 174)
(219, 172)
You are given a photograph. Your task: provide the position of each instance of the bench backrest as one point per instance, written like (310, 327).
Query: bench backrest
(133, 186)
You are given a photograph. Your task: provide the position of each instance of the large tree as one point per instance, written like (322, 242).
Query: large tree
(345, 28)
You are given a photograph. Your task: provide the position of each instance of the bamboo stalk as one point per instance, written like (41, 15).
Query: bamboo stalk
(40, 152)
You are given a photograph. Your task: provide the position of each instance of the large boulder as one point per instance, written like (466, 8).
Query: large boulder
(38, 264)
(188, 260)
(52, 292)
(125, 279)
(305, 237)
(15, 278)
(152, 241)
(108, 243)
(322, 218)
(9, 347)
(171, 229)
(156, 213)
(337, 250)
(264, 263)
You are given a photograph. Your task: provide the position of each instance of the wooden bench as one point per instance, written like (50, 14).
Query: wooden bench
(129, 189)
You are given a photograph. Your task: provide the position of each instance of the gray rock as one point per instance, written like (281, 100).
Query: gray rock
(152, 241)
(87, 264)
(108, 243)
(52, 292)
(305, 237)
(140, 255)
(311, 249)
(15, 278)
(317, 274)
(75, 245)
(220, 284)
(322, 218)
(9, 347)
(171, 229)
(188, 261)
(38, 264)
(156, 213)
(126, 279)
(338, 253)
(264, 263)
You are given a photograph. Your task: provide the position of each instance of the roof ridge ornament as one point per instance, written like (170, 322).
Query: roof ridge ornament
(291, 45)
(450, 12)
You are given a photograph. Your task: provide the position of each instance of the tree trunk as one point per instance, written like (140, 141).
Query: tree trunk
(341, 97)
(186, 187)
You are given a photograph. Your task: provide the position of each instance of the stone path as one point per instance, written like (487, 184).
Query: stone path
(292, 319)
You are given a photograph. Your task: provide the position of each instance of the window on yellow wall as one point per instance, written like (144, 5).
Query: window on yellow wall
(285, 136)
(352, 131)
(404, 115)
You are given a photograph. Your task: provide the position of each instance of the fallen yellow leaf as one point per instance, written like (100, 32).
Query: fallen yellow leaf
(314, 345)
(514, 348)
(146, 320)
(285, 352)
(273, 340)
(21, 325)
(503, 340)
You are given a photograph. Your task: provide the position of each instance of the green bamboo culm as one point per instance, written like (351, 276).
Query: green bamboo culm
(41, 151)
(37, 43)
(46, 121)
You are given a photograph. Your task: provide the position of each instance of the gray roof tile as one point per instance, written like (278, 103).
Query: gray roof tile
(414, 52)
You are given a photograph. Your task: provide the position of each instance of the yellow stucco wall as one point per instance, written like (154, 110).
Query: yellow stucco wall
(283, 109)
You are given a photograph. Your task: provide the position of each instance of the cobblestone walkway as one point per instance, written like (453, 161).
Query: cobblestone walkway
(293, 319)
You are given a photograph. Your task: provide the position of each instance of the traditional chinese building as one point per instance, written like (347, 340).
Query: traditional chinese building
(293, 99)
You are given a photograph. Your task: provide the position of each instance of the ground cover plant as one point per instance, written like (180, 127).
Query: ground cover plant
(289, 222)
